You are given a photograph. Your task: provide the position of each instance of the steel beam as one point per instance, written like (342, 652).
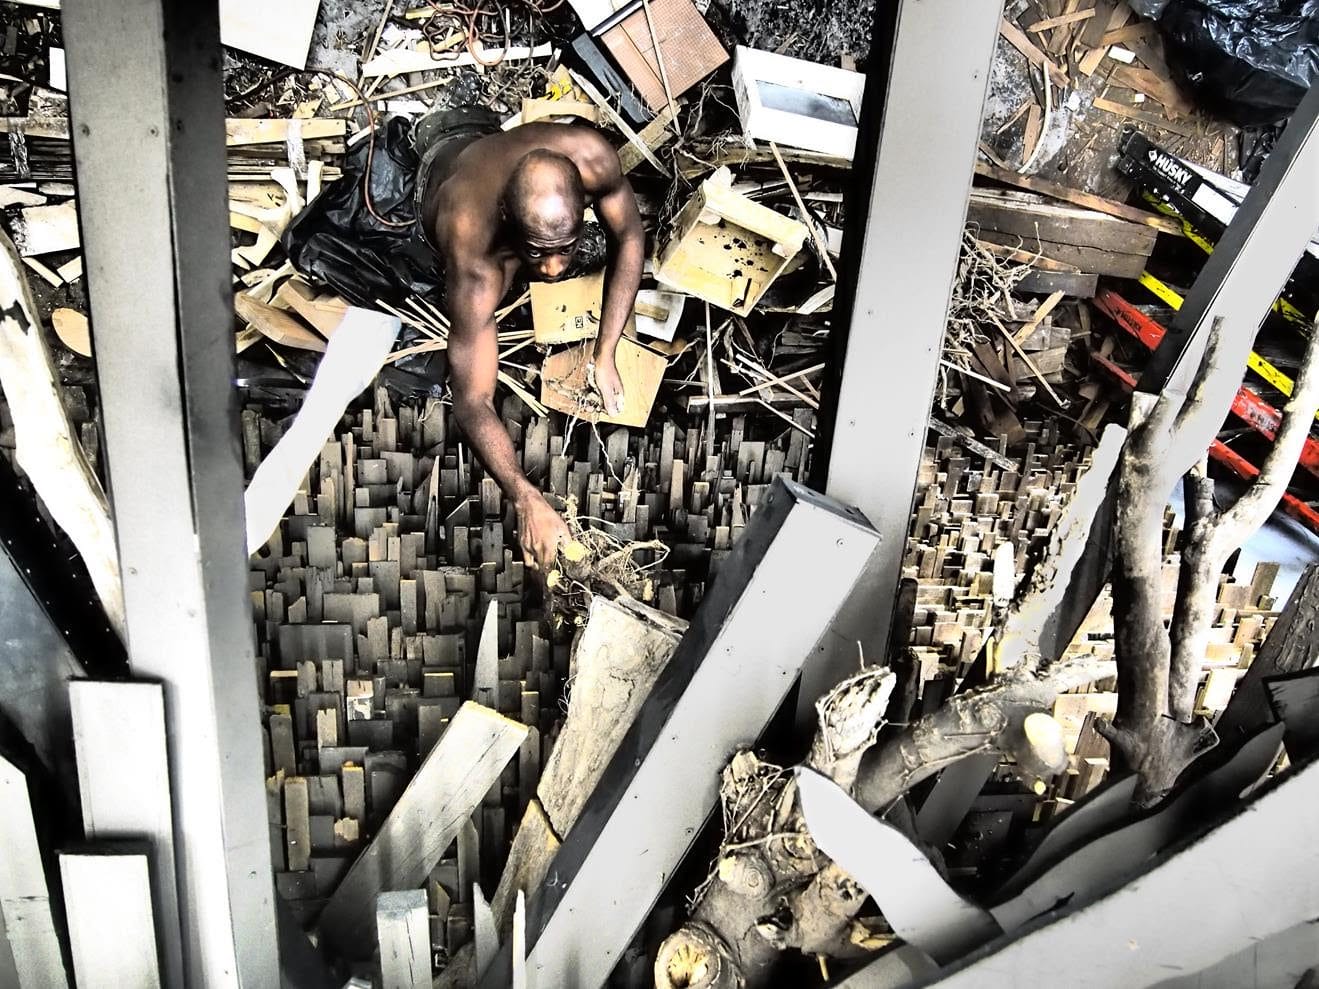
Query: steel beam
(148, 141)
(760, 621)
(893, 300)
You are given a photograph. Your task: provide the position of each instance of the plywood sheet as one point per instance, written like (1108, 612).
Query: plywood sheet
(564, 385)
(278, 31)
(689, 48)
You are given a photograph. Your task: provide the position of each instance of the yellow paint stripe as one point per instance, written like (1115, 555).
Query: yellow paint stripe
(1281, 306)
(1255, 362)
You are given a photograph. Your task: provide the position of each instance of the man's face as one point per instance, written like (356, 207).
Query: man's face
(547, 261)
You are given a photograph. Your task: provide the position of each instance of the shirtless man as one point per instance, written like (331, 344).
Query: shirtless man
(510, 203)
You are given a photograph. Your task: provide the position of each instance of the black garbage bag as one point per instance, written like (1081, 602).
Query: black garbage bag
(1250, 61)
(338, 241)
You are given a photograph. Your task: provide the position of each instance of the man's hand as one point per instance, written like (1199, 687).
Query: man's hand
(606, 380)
(540, 531)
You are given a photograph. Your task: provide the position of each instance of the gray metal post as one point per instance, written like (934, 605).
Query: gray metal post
(148, 137)
(929, 123)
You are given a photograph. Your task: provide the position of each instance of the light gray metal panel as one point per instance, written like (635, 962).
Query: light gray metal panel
(24, 896)
(107, 899)
(760, 621)
(35, 665)
(915, 900)
(1158, 924)
(148, 137)
(123, 781)
(931, 114)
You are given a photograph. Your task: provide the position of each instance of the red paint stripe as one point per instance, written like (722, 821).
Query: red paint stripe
(1221, 452)
(1247, 405)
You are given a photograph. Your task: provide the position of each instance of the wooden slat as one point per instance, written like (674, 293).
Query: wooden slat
(1077, 197)
(29, 927)
(451, 782)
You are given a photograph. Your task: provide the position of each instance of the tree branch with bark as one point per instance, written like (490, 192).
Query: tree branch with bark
(1155, 732)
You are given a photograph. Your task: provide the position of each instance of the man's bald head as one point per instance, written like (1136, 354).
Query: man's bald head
(544, 198)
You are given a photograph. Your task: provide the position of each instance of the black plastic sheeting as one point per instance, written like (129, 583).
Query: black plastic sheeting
(1250, 61)
(336, 239)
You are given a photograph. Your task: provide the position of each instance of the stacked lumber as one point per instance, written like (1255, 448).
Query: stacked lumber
(970, 502)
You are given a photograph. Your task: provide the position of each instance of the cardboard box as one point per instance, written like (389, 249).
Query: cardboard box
(796, 103)
(726, 249)
(564, 386)
(567, 311)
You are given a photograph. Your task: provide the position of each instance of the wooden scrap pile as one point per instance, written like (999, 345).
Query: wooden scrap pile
(394, 574)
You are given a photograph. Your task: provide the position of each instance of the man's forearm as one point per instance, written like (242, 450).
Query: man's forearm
(621, 282)
(491, 443)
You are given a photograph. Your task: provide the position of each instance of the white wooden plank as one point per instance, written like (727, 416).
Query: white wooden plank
(24, 897)
(350, 364)
(123, 780)
(278, 31)
(485, 939)
(107, 899)
(403, 928)
(451, 782)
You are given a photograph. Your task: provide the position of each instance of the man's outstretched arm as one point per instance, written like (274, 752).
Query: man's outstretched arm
(616, 207)
(474, 292)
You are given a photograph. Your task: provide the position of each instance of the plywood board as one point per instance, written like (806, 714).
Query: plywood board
(565, 388)
(278, 31)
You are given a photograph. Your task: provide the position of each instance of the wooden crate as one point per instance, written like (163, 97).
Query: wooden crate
(726, 249)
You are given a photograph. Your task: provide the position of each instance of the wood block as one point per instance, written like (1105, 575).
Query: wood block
(403, 930)
(297, 823)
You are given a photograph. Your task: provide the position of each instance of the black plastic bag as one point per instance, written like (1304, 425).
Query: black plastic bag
(1248, 60)
(338, 241)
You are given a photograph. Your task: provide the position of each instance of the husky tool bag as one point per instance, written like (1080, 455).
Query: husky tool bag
(1250, 61)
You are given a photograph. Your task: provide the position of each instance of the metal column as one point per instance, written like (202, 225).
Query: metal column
(928, 75)
(148, 136)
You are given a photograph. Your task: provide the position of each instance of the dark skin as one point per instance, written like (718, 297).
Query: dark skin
(485, 251)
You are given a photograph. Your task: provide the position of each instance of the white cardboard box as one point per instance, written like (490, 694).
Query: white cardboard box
(796, 103)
